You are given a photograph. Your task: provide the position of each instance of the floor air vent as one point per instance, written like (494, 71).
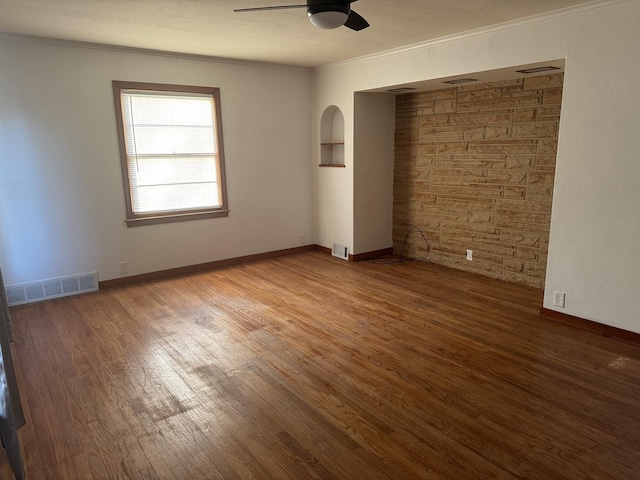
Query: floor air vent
(56, 287)
(340, 251)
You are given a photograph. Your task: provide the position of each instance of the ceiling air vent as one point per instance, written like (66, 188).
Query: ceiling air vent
(461, 80)
(401, 90)
(548, 68)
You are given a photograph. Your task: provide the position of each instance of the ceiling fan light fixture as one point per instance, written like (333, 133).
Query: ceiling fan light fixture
(328, 18)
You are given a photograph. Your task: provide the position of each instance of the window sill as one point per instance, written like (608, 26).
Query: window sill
(178, 217)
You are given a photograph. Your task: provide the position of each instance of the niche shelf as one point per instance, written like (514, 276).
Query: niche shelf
(332, 138)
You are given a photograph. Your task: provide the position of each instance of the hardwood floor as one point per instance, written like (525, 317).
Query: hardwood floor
(307, 366)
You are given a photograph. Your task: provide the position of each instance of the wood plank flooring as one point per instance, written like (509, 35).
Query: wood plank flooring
(309, 367)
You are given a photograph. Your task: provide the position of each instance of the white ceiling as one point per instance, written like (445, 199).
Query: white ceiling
(210, 27)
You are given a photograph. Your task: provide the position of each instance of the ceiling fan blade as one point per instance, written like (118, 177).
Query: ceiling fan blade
(356, 22)
(277, 7)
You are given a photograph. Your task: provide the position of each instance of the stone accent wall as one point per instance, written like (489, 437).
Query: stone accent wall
(474, 168)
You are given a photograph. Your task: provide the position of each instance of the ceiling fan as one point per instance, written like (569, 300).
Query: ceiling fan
(324, 13)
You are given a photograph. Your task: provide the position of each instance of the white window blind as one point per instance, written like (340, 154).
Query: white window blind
(171, 151)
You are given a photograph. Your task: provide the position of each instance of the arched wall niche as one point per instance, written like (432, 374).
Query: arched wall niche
(332, 137)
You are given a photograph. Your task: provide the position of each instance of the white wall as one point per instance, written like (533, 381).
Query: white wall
(374, 128)
(333, 187)
(61, 196)
(595, 226)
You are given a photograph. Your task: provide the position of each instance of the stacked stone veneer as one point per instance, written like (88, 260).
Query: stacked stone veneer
(474, 168)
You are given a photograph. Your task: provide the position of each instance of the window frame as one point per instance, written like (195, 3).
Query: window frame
(167, 216)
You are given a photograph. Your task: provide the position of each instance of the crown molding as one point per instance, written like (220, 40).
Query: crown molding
(148, 51)
(475, 32)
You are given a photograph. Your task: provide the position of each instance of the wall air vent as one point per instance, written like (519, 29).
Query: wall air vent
(53, 288)
(340, 251)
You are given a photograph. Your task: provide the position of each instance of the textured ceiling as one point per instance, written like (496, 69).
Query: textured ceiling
(210, 27)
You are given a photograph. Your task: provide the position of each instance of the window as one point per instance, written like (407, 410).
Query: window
(171, 150)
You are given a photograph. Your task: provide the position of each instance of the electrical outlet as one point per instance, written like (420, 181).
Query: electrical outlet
(302, 239)
(124, 268)
(558, 299)
(470, 255)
